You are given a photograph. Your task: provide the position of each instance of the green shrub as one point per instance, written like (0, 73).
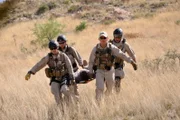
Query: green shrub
(42, 9)
(157, 5)
(177, 22)
(67, 2)
(81, 26)
(73, 8)
(52, 5)
(47, 31)
(164, 62)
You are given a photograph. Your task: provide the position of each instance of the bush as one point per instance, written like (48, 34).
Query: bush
(42, 9)
(81, 26)
(74, 8)
(177, 22)
(47, 31)
(52, 5)
(67, 2)
(157, 5)
(166, 62)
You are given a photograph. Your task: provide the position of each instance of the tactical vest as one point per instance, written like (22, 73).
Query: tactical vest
(118, 62)
(57, 68)
(69, 53)
(103, 58)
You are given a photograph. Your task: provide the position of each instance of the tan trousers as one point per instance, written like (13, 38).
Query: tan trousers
(57, 91)
(119, 72)
(104, 77)
(74, 89)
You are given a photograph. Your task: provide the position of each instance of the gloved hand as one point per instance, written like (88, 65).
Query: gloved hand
(28, 75)
(73, 82)
(85, 63)
(134, 65)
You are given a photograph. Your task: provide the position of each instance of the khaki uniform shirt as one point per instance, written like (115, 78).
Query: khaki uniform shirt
(115, 51)
(72, 54)
(61, 57)
(125, 47)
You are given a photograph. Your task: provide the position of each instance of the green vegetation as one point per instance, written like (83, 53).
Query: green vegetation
(45, 7)
(42, 9)
(73, 8)
(5, 8)
(81, 26)
(177, 22)
(67, 2)
(52, 5)
(157, 5)
(47, 31)
(168, 61)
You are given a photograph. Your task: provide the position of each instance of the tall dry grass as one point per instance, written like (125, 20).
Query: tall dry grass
(145, 94)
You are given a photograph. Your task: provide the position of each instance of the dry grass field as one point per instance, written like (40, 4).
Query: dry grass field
(146, 94)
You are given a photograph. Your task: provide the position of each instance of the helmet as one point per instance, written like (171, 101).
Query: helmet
(118, 32)
(53, 45)
(61, 38)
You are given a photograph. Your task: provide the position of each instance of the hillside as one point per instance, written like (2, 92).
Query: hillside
(150, 93)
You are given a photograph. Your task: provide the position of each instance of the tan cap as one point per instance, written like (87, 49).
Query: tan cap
(103, 33)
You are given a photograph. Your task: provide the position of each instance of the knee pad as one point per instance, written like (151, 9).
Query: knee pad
(117, 78)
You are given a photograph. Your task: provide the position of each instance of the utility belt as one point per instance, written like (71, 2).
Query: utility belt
(62, 81)
(56, 73)
(104, 67)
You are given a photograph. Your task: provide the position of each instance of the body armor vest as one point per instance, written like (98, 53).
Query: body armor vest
(69, 53)
(104, 58)
(57, 67)
(118, 62)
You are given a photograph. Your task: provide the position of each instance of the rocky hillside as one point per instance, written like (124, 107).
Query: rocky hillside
(95, 11)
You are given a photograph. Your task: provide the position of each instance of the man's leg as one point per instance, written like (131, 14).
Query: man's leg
(99, 84)
(55, 89)
(66, 91)
(119, 75)
(109, 79)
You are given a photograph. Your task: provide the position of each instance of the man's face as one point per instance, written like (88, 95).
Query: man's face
(54, 50)
(103, 39)
(117, 39)
(62, 44)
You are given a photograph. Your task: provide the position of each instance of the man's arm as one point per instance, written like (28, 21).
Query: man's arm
(69, 66)
(118, 53)
(42, 63)
(130, 51)
(77, 56)
(91, 60)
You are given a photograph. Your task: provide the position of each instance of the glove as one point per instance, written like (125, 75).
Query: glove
(134, 65)
(73, 82)
(28, 75)
(85, 63)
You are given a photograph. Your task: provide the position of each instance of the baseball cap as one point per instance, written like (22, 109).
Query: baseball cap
(103, 33)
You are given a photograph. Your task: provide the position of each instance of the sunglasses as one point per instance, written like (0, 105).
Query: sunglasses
(102, 38)
(118, 37)
(53, 48)
(61, 42)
